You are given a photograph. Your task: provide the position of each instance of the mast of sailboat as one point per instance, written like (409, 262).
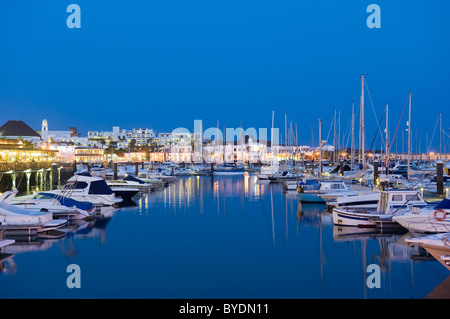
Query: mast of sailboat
(242, 144)
(285, 135)
(320, 148)
(363, 152)
(440, 135)
(387, 139)
(409, 135)
(334, 137)
(271, 140)
(353, 137)
(339, 137)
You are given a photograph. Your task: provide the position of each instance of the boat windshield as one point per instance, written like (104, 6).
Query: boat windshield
(100, 187)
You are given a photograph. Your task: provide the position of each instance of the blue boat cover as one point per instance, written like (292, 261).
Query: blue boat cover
(69, 202)
(133, 179)
(445, 204)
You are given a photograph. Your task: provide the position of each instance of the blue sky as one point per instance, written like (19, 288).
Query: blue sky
(162, 64)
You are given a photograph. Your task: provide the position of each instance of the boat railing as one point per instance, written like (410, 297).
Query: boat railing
(66, 191)
(435, 226)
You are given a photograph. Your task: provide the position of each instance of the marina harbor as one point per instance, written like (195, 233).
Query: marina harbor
(224, 158)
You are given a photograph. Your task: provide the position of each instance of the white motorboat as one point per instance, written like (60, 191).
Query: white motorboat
(390, 203)
(366, 200)
(17, 220)
(285, 176)
(229, 170)
(291, 185)
(60, 206)
(130, 181)
(87, 188)
(435, 219)
(327, 191)
(438, 245)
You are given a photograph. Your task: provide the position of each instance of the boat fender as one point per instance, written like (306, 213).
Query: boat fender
(440, 215)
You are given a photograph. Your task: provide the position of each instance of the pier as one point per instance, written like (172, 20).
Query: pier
(46, 175)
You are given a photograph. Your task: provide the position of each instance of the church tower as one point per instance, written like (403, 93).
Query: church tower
(44, 132)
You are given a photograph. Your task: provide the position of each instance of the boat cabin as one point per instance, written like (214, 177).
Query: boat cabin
(332, 186)
(396, 199)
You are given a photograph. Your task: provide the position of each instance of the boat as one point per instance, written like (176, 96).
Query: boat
(19, 221)
(367, 200)
(291, 185)
(438, 245)
(87, 188)
(130, 181)
(285, 176)
(435, 219)
(389, 204)
(327, 190)
(229, 170)
(60, 206)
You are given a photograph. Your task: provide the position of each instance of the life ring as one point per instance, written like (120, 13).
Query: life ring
(444, 214)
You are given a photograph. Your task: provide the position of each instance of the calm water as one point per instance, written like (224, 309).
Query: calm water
(227, 237)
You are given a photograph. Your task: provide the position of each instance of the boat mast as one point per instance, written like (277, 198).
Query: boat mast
(363, 152)
(387, 140)
(320, 148)
(334, 138)
(353, 136)
(409, 135)
(440, 135)
(285, 136)
(339, 137)
(271, 139)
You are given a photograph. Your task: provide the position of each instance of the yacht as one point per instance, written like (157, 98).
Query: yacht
(327, 191)
(285, 176)
(434, 219)
(19, 221)
(61, 207)
(130, 181)
(229, 170)
(87, 188)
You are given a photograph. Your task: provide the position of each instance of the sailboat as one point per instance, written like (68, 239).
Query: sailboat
(266, 171)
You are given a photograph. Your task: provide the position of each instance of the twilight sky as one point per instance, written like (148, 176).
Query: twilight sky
(163, 64)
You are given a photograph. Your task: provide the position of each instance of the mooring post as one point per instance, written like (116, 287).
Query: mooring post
(13, 178)
(341, 168)
(375, 173)
(115, 171)
(440, 178)
(136, 169)
(54, 176)
(28, 174)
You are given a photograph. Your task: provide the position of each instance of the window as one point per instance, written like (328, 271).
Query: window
(99, 187)
(80, 185)
(397, 198)
(414, 197)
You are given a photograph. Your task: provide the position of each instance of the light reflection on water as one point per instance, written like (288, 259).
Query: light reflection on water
(221, 237)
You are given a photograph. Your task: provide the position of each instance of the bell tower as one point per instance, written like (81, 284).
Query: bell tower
(44, 131)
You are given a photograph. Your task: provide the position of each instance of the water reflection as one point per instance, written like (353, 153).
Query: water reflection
(256, 235)
(63, 239)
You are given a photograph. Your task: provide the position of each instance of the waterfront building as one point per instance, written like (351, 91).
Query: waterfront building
(17, 129)
(89, 154)
(125, 139)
